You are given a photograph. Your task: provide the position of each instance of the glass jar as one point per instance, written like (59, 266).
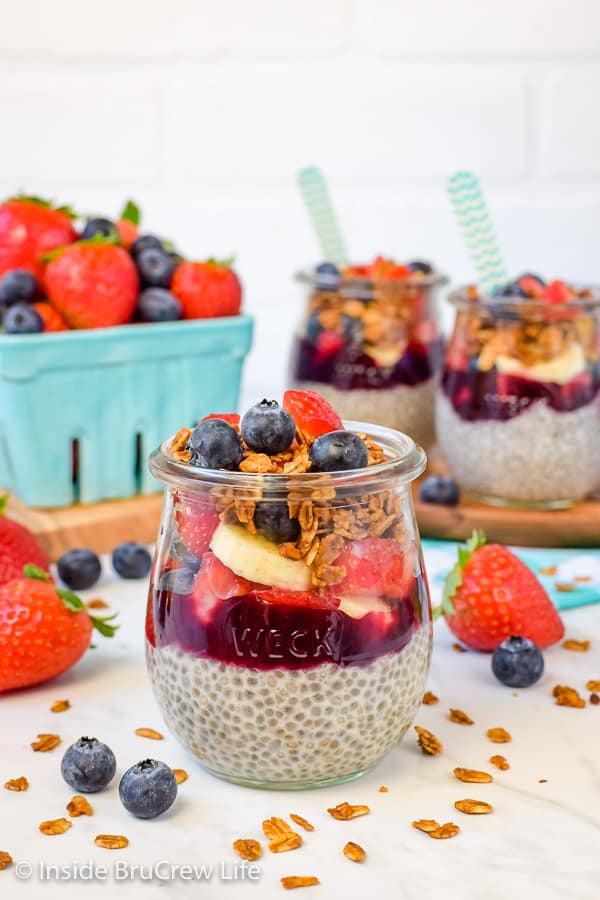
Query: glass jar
(518, 409)
(286, 672)
(372, 347)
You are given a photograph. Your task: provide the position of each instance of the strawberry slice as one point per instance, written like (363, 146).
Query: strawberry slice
(490, 595)
(196, 523)
(531, 286)
(328, 343)
(222, 581)
(312, 413)
(232, 418)
(378, 567)
(297, 598)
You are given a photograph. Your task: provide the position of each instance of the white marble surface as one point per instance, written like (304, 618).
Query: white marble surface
(540, 842)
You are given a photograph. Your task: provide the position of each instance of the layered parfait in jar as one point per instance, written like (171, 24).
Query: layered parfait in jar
(518, 411)
(369, 342)
(289, 624)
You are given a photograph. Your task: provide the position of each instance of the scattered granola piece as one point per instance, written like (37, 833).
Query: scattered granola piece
(111, 841)
(347, 811)
(459, 648)
(429, 699)
(498, 735)
(45, 742)
(289, 882)
(16, 784)
(542, 780)
(426, 825)
(473, 807)
(500, 762)
(428, 742)
(567, 696)
(247, 848)
(60, 706)
(5, 859)
(594, 698)
(290, 841)
(354, 852)
(79, 806)
(472, 776)
(582, 579)
(449, 830)
(180, 775)
(580, 646)
(460, 717)
(299, 820)
(548, 570)
(97, 603)
(564, 587)
(149, 733)
(593, 684)
(55, 826)
(275, 827)
(383, 789)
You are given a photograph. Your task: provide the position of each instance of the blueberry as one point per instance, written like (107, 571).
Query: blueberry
(439, 489)
(79, 569)
(215, 444)
(22, 319)
(417, 265)
(156, 304)
(517, 662)
(181, 554)
(155, 267)
(327, 276)
(338, 450)
(17, 286)
(131, 560)
(148, 789)
(511, 289)
(145, 242)
(88, 765)
(272, 520)
(98, 226)
(267, 428)
(177, 581)
(313, 328)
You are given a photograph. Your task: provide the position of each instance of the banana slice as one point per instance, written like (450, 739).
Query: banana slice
(359, 607)
(257, 559)
(559, 370)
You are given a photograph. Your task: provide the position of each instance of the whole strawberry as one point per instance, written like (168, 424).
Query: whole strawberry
(18, 548)
(93, 284)
(29, 228)
(490, 594)
(43, 630)
(207, 289)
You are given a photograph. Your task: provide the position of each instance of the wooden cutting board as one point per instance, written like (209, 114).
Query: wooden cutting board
(578, 526)
(99, 526)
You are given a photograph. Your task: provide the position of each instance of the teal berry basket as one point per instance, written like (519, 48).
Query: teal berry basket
(80, 411)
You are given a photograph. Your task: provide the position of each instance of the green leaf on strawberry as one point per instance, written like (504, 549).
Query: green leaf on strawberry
(131, 213)
(46, 204)
(73, 603)
(455, 575)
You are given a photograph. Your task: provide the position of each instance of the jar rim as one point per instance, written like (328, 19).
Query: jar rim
(357, 282)
(407, 463)
(461, 298)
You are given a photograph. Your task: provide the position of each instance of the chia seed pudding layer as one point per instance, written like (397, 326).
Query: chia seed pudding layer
(539, 456)
(408, 408)
(290, 726)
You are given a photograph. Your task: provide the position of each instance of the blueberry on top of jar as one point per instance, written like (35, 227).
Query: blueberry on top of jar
(327, 276)
(418, 265)
(267, 428)
(215, 444)
(338, 450)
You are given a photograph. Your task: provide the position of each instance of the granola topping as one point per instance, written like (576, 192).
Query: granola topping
(45, 742)
(79, 806)
(60, 706)
(498, 735)
(55, 826)
(247, 848)
(593, 684)
(16, 784)
(428, 742)
(149, 733)
(435, 830)
(180, 775)
(289, 882)
(460, 717)
(567, 696)
(580, 646)
(299, 820)
(429, 699)
(473, 807)
(500, 762)
(345, 811)
(5, 859)
(111, 841)
(472, 776)
(354, 852)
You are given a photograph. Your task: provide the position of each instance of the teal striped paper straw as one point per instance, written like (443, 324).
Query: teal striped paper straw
(474, 220)
(315, 192)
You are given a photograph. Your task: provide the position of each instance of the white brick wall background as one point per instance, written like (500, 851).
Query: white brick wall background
(204, 110)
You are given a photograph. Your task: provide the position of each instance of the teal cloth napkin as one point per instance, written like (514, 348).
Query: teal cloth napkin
(571, 565)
